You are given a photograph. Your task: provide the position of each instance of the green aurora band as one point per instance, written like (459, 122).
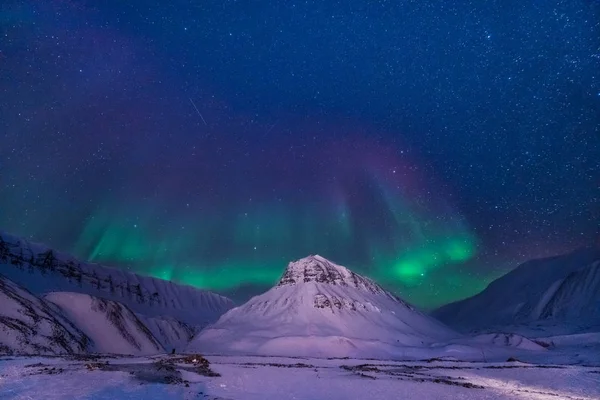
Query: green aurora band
(419, 258)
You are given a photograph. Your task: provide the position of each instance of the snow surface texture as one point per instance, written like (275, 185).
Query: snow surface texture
(267, 378)
(111, 326)
(29, 325)
(42, 270)
(560, 292)
(321, 309)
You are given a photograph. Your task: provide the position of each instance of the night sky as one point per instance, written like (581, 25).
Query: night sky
(431, 145)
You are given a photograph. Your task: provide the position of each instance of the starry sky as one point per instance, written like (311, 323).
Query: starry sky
(430, 145)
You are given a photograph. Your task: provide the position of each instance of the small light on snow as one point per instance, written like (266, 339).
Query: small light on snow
(194, 360)
(223, 385)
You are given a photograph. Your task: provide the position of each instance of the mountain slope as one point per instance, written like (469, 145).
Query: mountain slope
(29, 325)
(576, 297)
(319, 308)
(42, 270)
(557, 289)
(112, 327)
(170, 333)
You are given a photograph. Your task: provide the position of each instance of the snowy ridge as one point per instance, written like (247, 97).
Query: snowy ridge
(318, 269)
(559, 289)
(321, 309)
(577, 296)
(42, 270)
(75, 323)
(29, 325)
(112, 327)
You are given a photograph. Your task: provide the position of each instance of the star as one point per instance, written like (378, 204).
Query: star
(302, 137)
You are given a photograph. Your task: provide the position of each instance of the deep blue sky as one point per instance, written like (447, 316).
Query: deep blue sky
(373, 132)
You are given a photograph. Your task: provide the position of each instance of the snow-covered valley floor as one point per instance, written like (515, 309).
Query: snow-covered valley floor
(265, 378)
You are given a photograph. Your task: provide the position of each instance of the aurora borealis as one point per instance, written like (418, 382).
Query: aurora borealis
(396, 234)
(428, 146)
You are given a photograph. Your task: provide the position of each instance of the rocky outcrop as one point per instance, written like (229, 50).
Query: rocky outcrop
(30, 325)
(112, 327)
(171, 333)
(320, 270)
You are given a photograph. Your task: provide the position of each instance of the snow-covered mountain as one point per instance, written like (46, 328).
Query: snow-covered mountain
(30, 325)
(69, 323)
(319, 308)
(170, 333)
(136, 314)
(561, 290)
(577, 296)
(42, 270)
(111, 326)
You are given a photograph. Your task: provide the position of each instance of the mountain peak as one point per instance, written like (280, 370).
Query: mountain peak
(321, 308)
(316, 268)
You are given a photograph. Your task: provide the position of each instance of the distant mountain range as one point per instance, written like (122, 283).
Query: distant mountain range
(563, 291)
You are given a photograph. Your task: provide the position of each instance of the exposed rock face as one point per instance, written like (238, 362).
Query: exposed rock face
(335, 302)
(320, 270)
(113, 327)
(171, 333)
(29, 325)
